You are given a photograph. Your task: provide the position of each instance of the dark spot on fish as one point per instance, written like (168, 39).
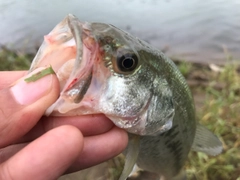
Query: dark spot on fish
(185, 130)
(169, 133)
(175, 146)
(172, 136)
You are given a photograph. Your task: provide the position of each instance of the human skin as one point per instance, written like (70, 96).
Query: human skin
(33, 146)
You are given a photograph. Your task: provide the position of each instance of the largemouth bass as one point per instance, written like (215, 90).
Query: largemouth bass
(102, 69)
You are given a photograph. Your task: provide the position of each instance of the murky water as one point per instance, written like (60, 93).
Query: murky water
(194, 30)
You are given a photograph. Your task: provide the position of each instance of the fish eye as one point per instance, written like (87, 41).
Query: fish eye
(127, 62)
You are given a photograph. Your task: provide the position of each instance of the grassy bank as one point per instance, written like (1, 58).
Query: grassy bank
(14, 60)
(218, 89)
(216, 92)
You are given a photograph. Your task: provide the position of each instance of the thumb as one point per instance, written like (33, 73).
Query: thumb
(23, 104)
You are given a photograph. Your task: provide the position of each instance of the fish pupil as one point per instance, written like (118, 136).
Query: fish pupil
(127, 62)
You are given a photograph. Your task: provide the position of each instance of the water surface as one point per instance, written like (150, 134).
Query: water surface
(194, 30)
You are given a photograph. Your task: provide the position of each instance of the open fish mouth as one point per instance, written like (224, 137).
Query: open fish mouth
(72, 43)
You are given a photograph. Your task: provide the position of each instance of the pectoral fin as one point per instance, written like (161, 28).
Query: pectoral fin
(205, 141)
(131, 156)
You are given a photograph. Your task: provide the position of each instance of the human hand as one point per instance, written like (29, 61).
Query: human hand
(36, 147)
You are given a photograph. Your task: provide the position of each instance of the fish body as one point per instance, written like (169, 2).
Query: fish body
(103, 69)
(166, 152)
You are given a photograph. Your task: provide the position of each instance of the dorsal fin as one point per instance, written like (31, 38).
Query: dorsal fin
(205, 141)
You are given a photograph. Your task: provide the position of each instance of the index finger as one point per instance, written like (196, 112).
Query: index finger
(89, 125)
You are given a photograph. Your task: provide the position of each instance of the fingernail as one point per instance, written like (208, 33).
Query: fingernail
(26, 93)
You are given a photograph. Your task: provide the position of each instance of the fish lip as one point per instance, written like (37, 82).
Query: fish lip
(81, 75)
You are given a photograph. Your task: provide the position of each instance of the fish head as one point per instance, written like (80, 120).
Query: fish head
(102, 69)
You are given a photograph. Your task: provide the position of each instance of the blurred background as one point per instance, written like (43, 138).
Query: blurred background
(193, 30)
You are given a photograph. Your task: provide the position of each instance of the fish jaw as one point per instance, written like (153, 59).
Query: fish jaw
(73, 99)
(57, 48)
(70, 50)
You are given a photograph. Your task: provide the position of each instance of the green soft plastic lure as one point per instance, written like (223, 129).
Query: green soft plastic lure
(40, 74)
